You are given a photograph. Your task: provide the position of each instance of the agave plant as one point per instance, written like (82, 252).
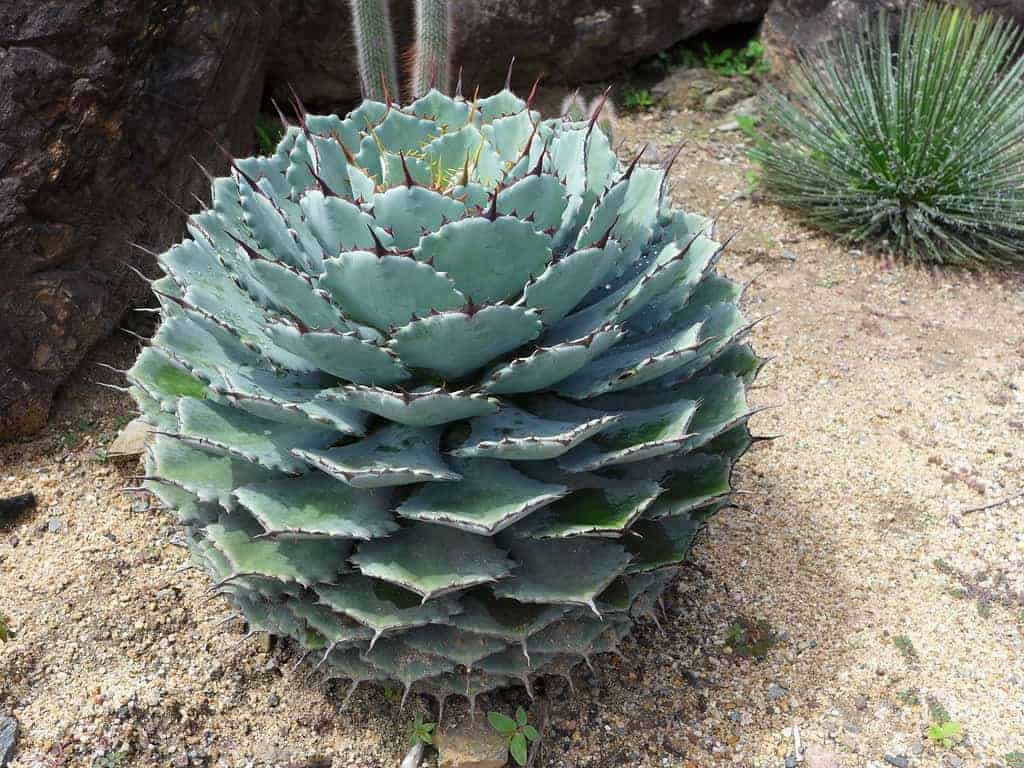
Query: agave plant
(444, 392)
(919, 143)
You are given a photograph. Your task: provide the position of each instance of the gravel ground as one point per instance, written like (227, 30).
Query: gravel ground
(883, 603)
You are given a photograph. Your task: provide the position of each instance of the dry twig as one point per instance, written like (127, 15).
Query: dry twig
(998, 503)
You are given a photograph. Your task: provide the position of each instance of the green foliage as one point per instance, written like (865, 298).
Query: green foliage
(636, 100)
(422, 731)
(519, 732)
(746, 61)
(5, 632)
(750, 638)
(444, 392)
(269, 133)
(748, 125)
(918, 146)
(942, 734)
(1015, 760)
(906, 647)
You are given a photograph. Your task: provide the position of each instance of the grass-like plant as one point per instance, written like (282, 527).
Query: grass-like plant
(910, 133)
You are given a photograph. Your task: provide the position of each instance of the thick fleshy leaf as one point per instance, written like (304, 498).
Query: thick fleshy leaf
(337, 628)
(445, 111)
(517, 435)
(200, 346)
(504, 618)
(210, 478)
(405, 664)
(641, 434)
(691, 481)
(401, 132)
(383, 607)
(634, 363)
(292, 291)
(491, 496)
(385, 291)
(570, 571)
(546, 366)
(345, 355)
(337, 224)
(540, 199)
(566, 281)
(465, 648)
(448, 155)
(268, 224)
(660, 542)
(306, 561)
(425, 407)
(606, 509)
(487, 260)
(409, 212)
(163, 379)
(318, 505)
(508, 135)
(469, 341)
(229, 430)
(287, 398)
(433, 560)
(392, 455)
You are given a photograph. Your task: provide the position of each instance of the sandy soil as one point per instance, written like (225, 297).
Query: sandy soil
(899, 397)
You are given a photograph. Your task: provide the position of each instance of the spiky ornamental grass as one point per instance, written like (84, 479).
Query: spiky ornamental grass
(917, 142)
(444, 392)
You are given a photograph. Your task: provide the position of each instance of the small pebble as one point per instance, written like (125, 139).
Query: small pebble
(898, 761)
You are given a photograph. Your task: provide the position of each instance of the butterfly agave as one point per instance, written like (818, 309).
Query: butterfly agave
(443, 392)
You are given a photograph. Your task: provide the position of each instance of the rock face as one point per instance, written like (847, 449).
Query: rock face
(573, 41)
(103, 104)
(794, 25)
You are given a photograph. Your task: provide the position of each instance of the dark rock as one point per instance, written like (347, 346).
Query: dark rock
(579, 40)
(794, 25)
(8, 739)
(898, 761)
(14, 505)
(106, 103)
(102, 109)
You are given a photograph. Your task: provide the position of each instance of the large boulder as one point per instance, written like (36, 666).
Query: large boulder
(794, 26)
(103, 106)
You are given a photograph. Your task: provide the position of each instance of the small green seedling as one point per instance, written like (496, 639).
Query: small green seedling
(1015, 760)
(942, 734)
(906, 647)
(422, 731)
(518, 732)
(637, 100)
(749, 638)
